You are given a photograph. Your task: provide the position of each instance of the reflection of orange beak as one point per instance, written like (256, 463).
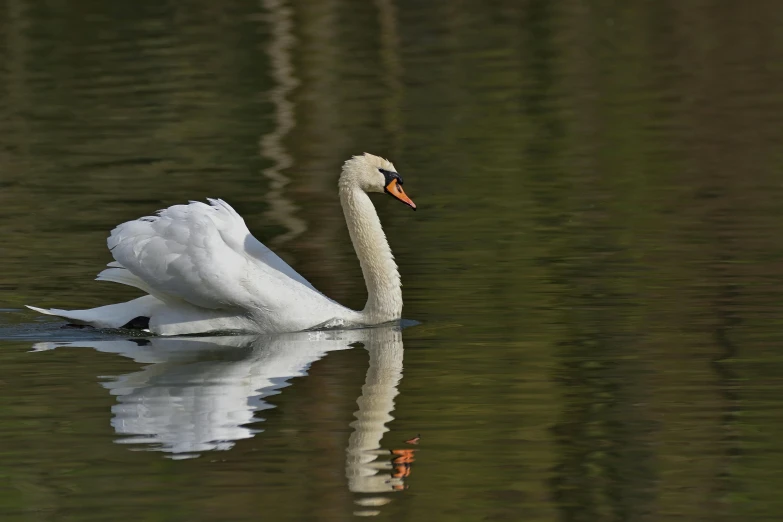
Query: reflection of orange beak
(402, 462)
(395, 189)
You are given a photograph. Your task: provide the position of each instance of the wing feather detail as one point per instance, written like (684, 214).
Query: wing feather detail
(203, 254)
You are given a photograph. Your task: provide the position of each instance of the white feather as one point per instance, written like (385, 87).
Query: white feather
(124, 277)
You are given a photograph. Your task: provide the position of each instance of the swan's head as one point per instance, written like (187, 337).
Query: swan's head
(374, 174)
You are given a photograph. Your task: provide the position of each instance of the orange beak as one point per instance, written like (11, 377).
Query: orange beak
(395, 189)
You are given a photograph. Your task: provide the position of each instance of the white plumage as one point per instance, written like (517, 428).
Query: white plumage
(204, 271)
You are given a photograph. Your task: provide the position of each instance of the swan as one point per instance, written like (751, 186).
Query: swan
(203, 271)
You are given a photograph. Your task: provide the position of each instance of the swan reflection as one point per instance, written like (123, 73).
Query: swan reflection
(198, 394)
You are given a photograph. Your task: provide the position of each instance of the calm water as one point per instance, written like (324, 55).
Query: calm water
(596, 267)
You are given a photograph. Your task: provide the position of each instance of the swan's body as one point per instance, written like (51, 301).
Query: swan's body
(204, 271)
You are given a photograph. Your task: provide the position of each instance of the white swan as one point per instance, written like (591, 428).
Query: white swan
(204, 271)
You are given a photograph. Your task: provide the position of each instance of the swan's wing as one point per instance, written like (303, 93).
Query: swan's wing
(205, 255)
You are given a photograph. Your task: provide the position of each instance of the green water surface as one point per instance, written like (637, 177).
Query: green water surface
(596, 266)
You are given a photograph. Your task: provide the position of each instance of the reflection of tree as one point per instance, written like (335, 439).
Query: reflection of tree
(726, 482)
(282, 71)
(392, 75)
(654, 258)
(604, 468)
(321, 142)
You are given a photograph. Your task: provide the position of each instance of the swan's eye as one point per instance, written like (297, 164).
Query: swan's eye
(390, 176)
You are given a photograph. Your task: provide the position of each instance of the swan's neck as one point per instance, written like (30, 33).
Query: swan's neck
(384, 296)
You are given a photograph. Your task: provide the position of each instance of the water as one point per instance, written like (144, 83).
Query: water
(594, 266)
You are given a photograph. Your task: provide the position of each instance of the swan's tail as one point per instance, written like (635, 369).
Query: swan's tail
(51, 311)
(116, 315)
(109, 316)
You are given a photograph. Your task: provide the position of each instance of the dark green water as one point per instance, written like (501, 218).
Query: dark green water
(596, 264)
